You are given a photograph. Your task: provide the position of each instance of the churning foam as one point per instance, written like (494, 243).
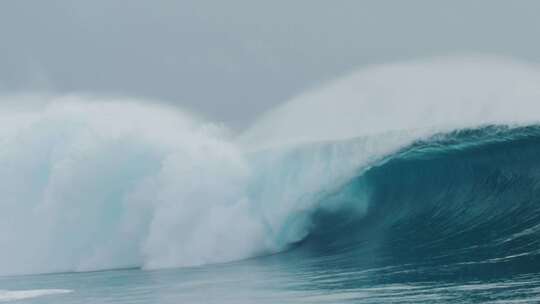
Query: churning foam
(102, 184)
(92, 184)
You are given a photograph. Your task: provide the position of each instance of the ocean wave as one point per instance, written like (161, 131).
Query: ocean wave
(90, 183)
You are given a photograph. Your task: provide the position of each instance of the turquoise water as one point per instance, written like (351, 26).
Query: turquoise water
(253, 282)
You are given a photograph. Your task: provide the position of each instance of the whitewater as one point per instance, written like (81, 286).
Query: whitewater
(407, 182)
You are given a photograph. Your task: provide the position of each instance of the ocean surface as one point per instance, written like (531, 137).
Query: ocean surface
(366, 201)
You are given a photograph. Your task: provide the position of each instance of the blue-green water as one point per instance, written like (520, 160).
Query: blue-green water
(251, 282)
(454, 218)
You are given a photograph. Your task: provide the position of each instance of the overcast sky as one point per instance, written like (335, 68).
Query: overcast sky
(231, 60)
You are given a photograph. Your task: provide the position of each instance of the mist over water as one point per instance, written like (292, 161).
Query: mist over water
(94, 184)
(440, 94)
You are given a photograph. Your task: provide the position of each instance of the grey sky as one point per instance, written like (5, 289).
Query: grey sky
(231, 60)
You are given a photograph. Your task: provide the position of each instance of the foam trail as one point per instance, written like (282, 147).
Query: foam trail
(14, 295)
(92, 184)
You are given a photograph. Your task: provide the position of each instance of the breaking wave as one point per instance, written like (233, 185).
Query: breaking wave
(432, 160)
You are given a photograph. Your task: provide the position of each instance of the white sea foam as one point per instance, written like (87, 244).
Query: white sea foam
(14, 295)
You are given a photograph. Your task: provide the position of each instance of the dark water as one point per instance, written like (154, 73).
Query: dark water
(452, 219)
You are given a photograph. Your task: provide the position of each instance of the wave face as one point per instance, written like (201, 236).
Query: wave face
(423, 162)
(467, 200)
